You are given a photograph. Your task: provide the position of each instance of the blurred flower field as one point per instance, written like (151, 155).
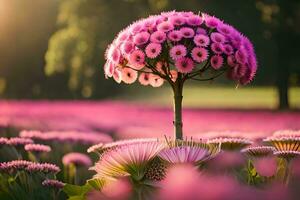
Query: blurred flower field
(65, 131)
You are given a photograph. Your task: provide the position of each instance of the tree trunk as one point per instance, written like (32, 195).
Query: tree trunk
(177, 90)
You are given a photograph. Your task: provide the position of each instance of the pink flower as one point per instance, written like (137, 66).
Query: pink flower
(216, 61)
(115, 55)
(130, 159)
(13, 166)
(144, 78)
(258, 151)
(228, 49)
(117, 75)
(53, 184)
(16, 141)
(194, 20)
(109, 68)
(127, 47)
(201, 40)
(184, 154)
(211, 21)
(184, 65)
(155, 80)
(37, 148)
(241, 56)
(217, 48)
(42, 167)
(265, 166)
(187, 32)
(78, 159)
(175, 36)
(230, 143)
(158, 37)
(153, 50)
(225, 29)
(177, 20)
(178, 52)
(201, 31)
(231, 61)
(3, 141)
(165, 26)
(217, 37)
(137, 58)
(141, 38)
(199, 54)
(129, 75)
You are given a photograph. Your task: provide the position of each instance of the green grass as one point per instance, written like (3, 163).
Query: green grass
(213, 96)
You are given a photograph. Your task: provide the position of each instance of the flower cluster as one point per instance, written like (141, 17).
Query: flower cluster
(161, 47)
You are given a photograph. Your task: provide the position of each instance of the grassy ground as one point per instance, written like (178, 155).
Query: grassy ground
(213, 96)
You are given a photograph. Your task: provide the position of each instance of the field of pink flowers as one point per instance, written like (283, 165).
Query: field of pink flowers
(66, 138)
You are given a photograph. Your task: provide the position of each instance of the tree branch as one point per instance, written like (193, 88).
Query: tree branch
(208, 79)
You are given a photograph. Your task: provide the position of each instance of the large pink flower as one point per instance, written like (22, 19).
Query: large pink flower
(178, 51)
(184, 65)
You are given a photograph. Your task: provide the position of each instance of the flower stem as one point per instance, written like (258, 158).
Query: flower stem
(177, 90)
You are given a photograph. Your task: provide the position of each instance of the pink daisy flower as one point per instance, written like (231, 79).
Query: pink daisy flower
(144, 78)
(136, 28)
(78, 159)
(201, 40)
(231, 61)
(129, 75)
(225, 29)
(109, 69)
(3, 141)
(155, 80)
(141, 38)
(130, 159)
(178, 52)
(37, 148)
(177, 20)
(183, 154)
(122, 36)
(95, 148)
(158, 37)
(187, 32)
(201, 31)
(217, 48)
(14, 165)
(284, 143)
(194, 20)
(117, 75)
(241, 56)
(115, 55)
(217, 37)
(127, 47)
(43, 167)
(184, 65)
(216, 61)
(52, 183)
(258, 151)
(153, 50)
(230, 143)
(137, 58)
(18, 141)
(175, 36)
(228, 49)
(199, 54)
(211, 21)
(165, 27)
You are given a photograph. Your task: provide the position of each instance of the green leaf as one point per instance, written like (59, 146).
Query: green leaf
(76, 191)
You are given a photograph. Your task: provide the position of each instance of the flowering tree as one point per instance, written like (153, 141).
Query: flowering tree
(174, 47)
